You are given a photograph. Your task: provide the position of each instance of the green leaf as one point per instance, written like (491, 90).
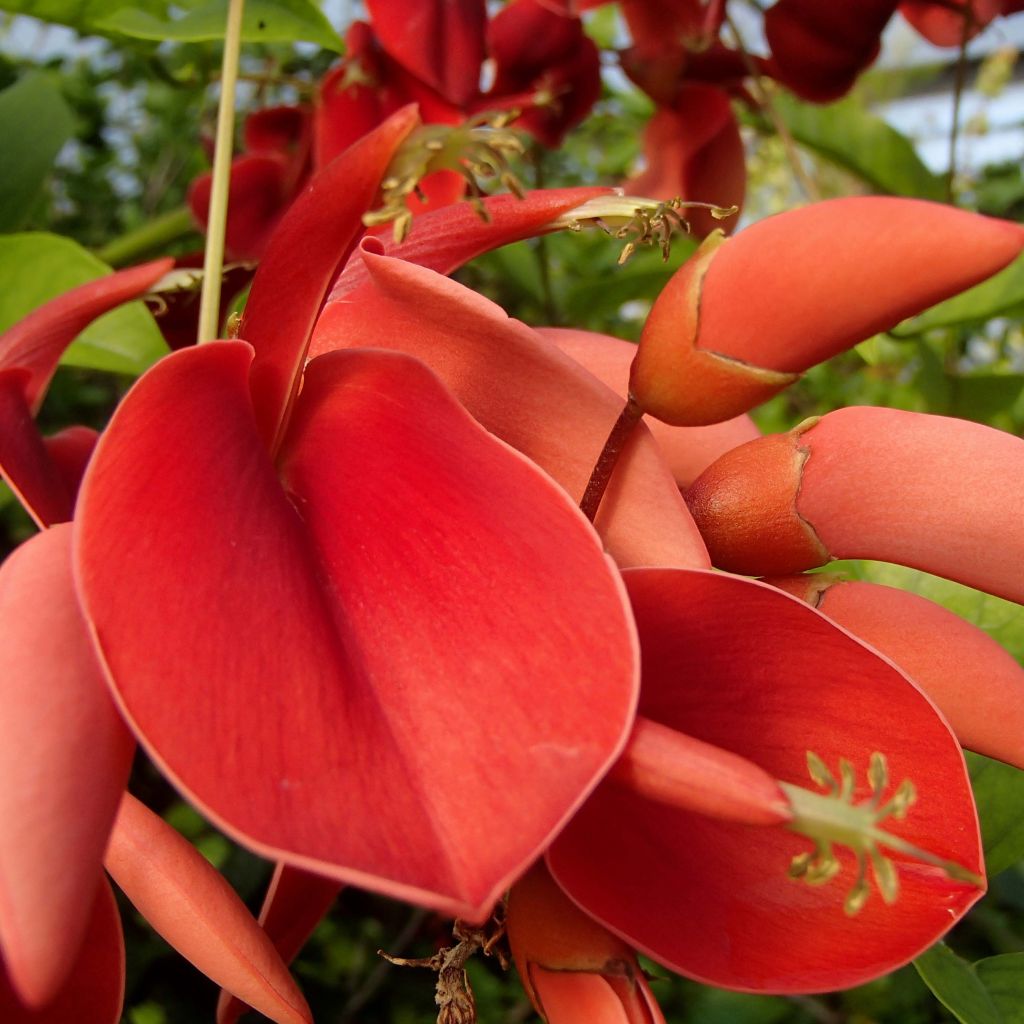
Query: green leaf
(990, 991)
(861, 142)
(1003, 976)
(35, 267)
(263, 21)
(999, 294)
(999, 794)
(79, 14)
(35, 122)
(957, 986)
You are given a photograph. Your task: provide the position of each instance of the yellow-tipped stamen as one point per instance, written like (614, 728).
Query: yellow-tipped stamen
(833, 818)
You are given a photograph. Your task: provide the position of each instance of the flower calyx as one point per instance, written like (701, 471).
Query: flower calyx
(834, 818)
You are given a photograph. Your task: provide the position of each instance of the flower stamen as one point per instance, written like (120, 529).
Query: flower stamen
(833, 819)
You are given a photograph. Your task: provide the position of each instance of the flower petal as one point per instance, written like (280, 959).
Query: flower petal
(189, 903)
(931, 492)
(295, 903)
(309, 246)
(976, 684)
(547, 406)
(745, 315)
(64, 760)
(342, 647)
(93, 992)
(739, 665)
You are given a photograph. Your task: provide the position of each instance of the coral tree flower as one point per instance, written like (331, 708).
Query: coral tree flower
(743, 317)
(698, 847)
(340, 614)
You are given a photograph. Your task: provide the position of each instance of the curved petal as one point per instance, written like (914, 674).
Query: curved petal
(70, 450)
(64, 760)
(976, 684)
(943, 24)
(931, 492)
(445, 239)
(93, 992)
(742, 666)
(25, 464)
(687, 450)
(37, 341)
(342, 647)
(309, 246)
(546, 406)
(295, 903)
(189, 903)
(814, 281)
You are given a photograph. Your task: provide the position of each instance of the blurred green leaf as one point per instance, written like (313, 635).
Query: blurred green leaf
(999, 294)
(36, 266)
(990, 991)
(983, 396)
(862, 143)
(266, 21)
(263, 21)
(35, 122)
(957, 986)
(999, 794)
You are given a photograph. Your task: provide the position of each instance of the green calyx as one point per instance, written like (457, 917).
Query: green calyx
(833, 819)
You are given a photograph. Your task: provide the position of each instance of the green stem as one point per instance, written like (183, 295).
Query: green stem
(148, 238)
(213, 263)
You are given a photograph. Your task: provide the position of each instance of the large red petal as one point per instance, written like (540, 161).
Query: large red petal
(307, 249)
(93, 992)
(739, 665)
(546, 406)
(404, 669)
(190, 904)
(64, 760)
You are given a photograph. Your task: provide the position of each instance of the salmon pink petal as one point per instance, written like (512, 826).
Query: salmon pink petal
(439, 41)
(744, 316)
(37, 341)
(818, 50)
(64, 761)
(446, 239)
(547, 407)
(93, 992)
(574, 971)
(931, 492)
(344, 642)
(311, 244)
(739, 665)
(693, 150)
(295, 903)
(976, 684)
(687, 450)
(186, 900)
